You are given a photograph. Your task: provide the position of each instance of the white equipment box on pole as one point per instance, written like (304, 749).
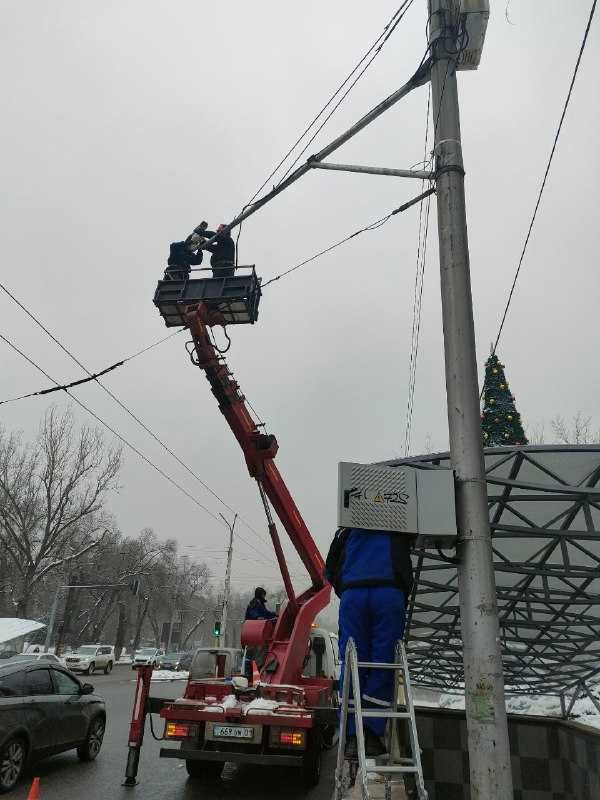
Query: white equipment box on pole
(403, 499)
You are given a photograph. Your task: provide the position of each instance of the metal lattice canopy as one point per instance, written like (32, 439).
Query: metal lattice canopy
(544, 507)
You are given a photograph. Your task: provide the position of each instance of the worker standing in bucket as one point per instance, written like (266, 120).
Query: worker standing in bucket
(186, 254)
(371, 572)
(257, 610)
(222, 259)
(257, 607)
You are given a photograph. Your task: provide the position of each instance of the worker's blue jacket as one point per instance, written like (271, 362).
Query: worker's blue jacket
(372, 573)
(360, 558)
(258, 610)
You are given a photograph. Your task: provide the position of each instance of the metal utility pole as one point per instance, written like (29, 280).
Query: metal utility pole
(227, 581)
(489, 754)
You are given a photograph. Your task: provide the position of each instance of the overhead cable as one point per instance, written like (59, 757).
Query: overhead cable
(91, 376)
(420, 77)
(125, 408)
(371, 227)
(417, 296)
(127, 443)
(545, 178)
(377, 44)
(389, 30)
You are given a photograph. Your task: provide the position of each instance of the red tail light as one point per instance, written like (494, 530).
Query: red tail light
(287, 737)
(180, 730)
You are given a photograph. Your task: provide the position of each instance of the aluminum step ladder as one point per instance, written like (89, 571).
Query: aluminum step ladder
(391, 765)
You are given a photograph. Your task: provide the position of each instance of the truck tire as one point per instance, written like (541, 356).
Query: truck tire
(91, 668)
(204, 770)
(330, 736)
(311, 767)
(108, 668)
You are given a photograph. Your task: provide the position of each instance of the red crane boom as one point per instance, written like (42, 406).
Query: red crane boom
(288, 639)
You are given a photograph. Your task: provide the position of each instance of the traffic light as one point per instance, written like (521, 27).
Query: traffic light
(134, 586)
(217, 628)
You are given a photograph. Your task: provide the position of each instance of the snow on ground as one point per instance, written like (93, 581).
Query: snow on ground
(583, 711)
(169, 675)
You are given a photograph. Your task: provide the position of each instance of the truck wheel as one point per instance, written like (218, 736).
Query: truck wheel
(204, 770)
(330, 736)
(91, 668)
(311, 768)
(108, 668)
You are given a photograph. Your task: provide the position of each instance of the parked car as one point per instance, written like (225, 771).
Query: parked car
(45, 710)
(146, 656)
(90, 657)
(175, 661)
(47, 657)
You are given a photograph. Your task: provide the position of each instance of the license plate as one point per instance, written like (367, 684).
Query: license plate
(233, 732)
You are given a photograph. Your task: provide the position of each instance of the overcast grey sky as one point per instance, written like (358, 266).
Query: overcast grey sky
(126, 123)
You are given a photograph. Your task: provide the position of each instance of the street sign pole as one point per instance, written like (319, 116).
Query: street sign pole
(227, 581)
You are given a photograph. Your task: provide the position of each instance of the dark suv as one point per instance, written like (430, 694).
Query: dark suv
(45, 710)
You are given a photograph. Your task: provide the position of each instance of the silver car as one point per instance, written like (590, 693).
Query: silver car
(147, 656)
(90, 657)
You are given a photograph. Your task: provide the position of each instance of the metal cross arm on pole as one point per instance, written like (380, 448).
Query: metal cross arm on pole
(422, 175)
(420, 78)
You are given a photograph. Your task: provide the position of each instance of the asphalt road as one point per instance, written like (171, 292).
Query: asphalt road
(64, 777)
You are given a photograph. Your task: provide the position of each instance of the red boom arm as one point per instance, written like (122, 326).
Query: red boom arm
(289, 643)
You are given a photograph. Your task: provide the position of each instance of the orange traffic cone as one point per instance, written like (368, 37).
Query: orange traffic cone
(255, 674)
(34, 792)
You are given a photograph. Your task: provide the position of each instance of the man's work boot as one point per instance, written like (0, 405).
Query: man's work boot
(351, 751)
(373, 745)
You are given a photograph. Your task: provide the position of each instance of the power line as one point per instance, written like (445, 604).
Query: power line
(545, 178)
(422, 250)
(371, 227)
(127, 443)
(418, 296)
(377, 46)
(378, 43)
(91, 376)
(418, 79)
(125, 408)
(401, 12)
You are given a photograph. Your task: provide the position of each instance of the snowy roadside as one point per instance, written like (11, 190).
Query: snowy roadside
(169, 675)
(583, 711)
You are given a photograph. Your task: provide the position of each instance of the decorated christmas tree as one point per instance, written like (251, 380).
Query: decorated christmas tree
(500, 420)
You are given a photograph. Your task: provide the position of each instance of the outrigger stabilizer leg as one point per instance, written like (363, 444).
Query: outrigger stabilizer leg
(138, 724)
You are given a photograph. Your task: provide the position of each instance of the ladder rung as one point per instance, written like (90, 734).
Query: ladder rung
(377, 665)
(391, 770)
(385, 714)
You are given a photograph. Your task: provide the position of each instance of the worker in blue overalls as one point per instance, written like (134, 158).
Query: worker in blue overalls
(371, 572)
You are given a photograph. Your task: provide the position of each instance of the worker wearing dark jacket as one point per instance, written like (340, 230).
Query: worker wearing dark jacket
(371, 572)
(257, 607)
(222, 259)
(186, 254)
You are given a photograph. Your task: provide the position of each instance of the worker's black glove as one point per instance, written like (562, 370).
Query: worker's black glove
(201, 228)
